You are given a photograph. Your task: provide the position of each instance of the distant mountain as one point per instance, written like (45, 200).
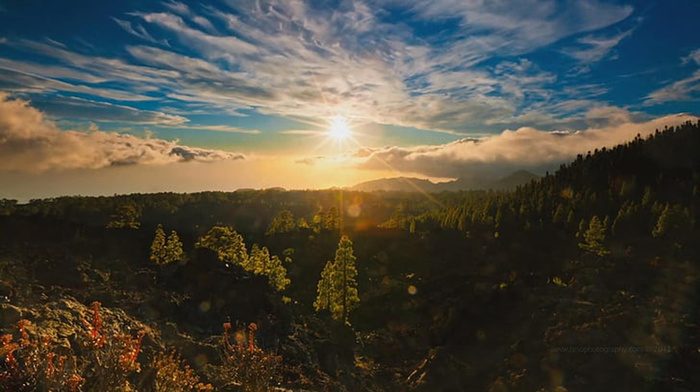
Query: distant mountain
(398, 184)
(410, 184)
(513, 180)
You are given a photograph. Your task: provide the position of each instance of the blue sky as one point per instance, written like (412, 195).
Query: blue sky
(426, 86)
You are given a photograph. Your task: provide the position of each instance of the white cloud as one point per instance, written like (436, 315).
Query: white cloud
(71, 107)
(30, 142)
(523, 148)
(693, 56)
(681, 90)
(524, 25)
(304, 59)
(137, 30)
(215, 128)
(594, 48)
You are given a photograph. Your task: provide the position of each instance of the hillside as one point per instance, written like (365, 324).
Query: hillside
(408, 184)
(585, 280)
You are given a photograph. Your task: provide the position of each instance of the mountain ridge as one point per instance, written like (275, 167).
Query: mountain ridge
(412, 184)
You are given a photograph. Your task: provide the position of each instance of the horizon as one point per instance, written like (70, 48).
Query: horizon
(225, 95)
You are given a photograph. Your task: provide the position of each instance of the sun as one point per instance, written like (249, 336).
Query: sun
(339, 129)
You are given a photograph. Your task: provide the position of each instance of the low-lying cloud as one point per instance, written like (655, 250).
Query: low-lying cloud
(524, 148)
(31, 142)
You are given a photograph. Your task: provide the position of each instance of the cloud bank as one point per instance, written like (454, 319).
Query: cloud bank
(30, 142)
(524, 148)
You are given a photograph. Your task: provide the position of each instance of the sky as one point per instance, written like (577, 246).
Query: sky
(104, 97)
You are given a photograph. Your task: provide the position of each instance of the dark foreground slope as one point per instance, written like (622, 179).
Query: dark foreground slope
(586, 280)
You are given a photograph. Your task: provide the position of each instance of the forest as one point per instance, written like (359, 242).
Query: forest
(585, 279)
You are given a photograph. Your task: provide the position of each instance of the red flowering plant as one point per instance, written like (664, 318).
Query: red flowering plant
(247, 365)
(110, 354)
(34, 362)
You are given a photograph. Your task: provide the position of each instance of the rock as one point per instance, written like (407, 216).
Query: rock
(9, 315)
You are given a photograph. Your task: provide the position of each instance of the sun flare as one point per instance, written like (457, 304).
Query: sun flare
(339, 129)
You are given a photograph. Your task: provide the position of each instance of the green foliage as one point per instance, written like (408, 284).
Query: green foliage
(158, 246)
(166, 251)
(260, 263)
(331, 220)
(227, 243)
(594, 238)
(173, 248)
(337, 288)
(126, 217)
(230, 247)
(288, 253)
(283, 223)
(674, 222)
(324, 288)
(173, 375)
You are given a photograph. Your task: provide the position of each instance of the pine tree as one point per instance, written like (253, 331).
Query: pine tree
(282, 223)
(126, 217)
(324, 288)
(227, 243)
(674, 222)
(594, 237)
(173, 249)
(158, 246)
(337, 288)
(276, 273)
(259, 260)
(330, 220)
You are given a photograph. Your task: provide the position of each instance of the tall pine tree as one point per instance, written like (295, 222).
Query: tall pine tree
(173, 248)
(158, 246)
(337, 288)
(594, 237)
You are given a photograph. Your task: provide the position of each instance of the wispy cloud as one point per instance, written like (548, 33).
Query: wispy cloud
(692, 57)
(30, 142)
(138, 31)
(216, 128)
(301, 59)
(71, 107)
(682, 90)
(594, 48)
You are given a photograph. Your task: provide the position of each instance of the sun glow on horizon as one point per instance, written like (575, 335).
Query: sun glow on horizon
(339, 129)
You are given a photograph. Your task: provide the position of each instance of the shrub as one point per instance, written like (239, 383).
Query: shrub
(249, 367)
(110, 355)
(33, 363)
(173, 375)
